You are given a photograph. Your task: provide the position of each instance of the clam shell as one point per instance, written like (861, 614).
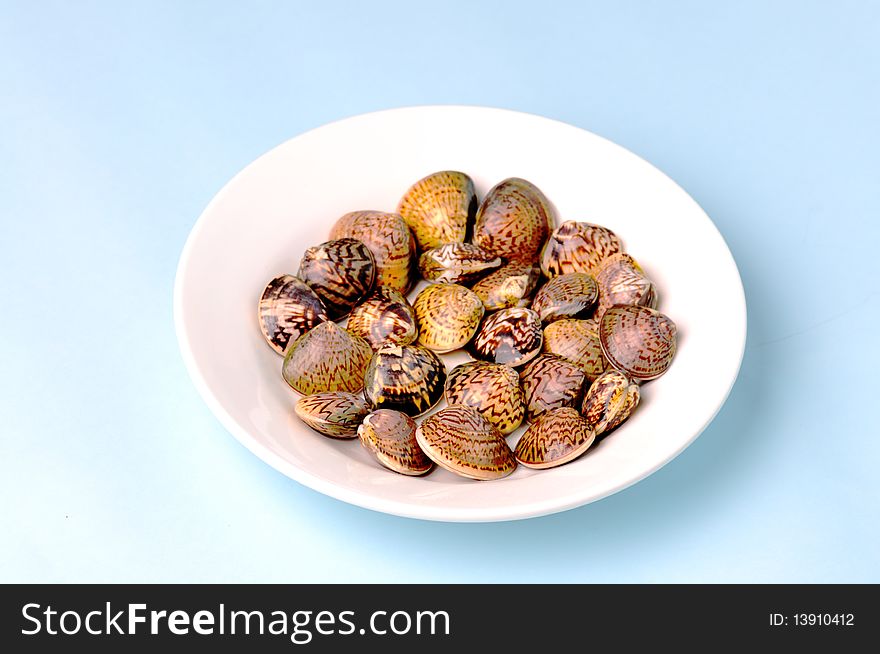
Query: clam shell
(514, 220)
(408, 378)
(622, 281)
(461, 440)
(327, 358)
(510, 336)
(456, 262)
(638, 341)
(611, 399)
(509, 286)
(448, 316)
(440, 208)
(384, 318)
(336, 414)
(389, 240)
(288, 309)
(340, 272)
(557, 437)
(390, 436)
(550, 382)
(490, 388)
(578, 247)
(570, 295)
(577, 341)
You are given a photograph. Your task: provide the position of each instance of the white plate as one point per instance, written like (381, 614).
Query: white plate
(260, 223)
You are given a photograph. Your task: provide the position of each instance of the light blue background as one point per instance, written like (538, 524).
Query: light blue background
(118, 123)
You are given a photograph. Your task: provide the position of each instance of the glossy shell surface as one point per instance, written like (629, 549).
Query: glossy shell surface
(578, 247)
(509, 286)
(390, 436)
(577, 341)
(551, 382)
(459, 439)
(336, 414)
(514, 220)
(440, 208)
(407, 378)
(340, 272)
(571, 295)
(448, 316)
(510, 336)
(621, 280)
(555, 438)
(638, 341)
(327, 358)
(389, 240)
(611, 399)
(288, 309)
(492, 389)
(456, 263)
(384, 318)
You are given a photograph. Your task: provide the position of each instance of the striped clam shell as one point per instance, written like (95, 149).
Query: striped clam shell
(492, 389)
(384, 318)
(509, 286)
(570, 295)
(557, 437)
(408, 378)
(578, 247)
(327, 358)
(514, 220)
(510, 336)
(340, 272)
(459, 439)
(638, 341)
(456, 263)
(550, 382)
(448, 316)
(621, 280)
(440, 208)
(390, 436)
(388, 239)
(611, 399)
(577, 341)
(288, 309)
(336, 414)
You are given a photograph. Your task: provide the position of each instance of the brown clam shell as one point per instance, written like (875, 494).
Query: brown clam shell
(622, 281)
(336, 414)
(461, 440)
(577, 341)
(327, 358)
(638, 341)
(578, 247)
(384, 318)
(448, 316)
(551, 382)
(509, 286)
(340, 272)
(408, 378)
(440, 208)
(555, 438)
(510, 336)
(456, 263)
(570, 295)
(514, 220)
(288, 309)
(390, 436)
(389, 240)
(492, 389)
(611, 399)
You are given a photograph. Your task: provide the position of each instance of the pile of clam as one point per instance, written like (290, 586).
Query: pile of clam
(562, 326)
